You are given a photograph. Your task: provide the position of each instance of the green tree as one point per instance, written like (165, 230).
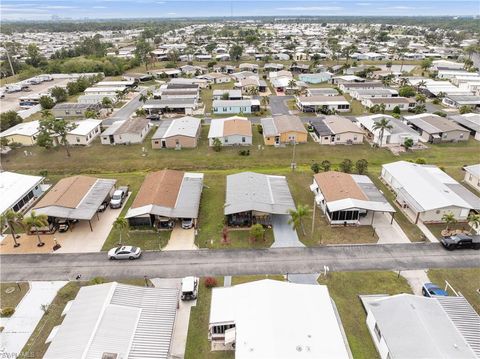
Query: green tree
(34, 57)
(406, 91)
(173, 56)
(236, 52)
(59, 129)
(361, 166)
(34, 222)
(346, 166)
(465, 109)
(396, 110)
(325, 165)
(72, 88)
(59, 93)
(217, 145)
(46, 102)
(257, 231)
(381, 126)
(408, 143)
(420, 98)
(122, 227)
(315, 167)
(265, 101)
(91, 113)
(449, 219)
(426, 64)
(297, 215)
(12, 219)
(9, 119)
(474, 221)
(142, 52)
(107, 102)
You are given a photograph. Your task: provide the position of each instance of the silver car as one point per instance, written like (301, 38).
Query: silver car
(124, 252)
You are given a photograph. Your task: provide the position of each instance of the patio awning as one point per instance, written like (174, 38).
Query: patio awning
(350, 203)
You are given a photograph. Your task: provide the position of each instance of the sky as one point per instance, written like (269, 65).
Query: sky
(101, 9)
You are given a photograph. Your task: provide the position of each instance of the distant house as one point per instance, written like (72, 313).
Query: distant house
(348, 199)
(126, 132)
(435, 129)
(472, 176)
(321, 91)
(275, 319)
(184, 106)
(283, 129)
(458, 101)
(394, 136)
(84, 132)
(469, 121)
(347, 87)
(248, 67)
(248, 84)
(19, 191)
(273, 67)
(235, 106)
(300, 68)
(411, 326)
(231, 131)
(178, 133)
(360, 94)
(73, 109)
(230, 94)
(166, 196)
(426, 193)
(315, 78)
(24, 133)
(403, 103)
(216, 78)
(114, 320)
(335, 130)
(254, 197)
(322, 103)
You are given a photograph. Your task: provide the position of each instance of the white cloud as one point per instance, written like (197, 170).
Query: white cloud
(401, 8)
(99, 7)
(58, 7)
(171, 13)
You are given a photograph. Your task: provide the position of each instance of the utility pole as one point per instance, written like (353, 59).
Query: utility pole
(293, 164)
(10, 62)
(313, 216)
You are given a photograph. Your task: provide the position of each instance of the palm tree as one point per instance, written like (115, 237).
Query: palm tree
(122, 226)
(143, 98)
(422, 83)
(449, 219)
(46, 113)
(382, 125)
(474, 221)
(292, 83)
(265, 101)
(12, 219)
(297, 215)
(34, 221)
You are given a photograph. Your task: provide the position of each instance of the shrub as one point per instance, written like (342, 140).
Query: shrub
(244, 152)
(7, 312)
(315, 167)
(440, 113)
(68, 292)
(210, 282)
(346, 166)
(420, 161)
(260, 129)
(97, 280)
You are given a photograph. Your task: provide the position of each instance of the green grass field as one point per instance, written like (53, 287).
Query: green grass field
(14, 296)
(344, 288)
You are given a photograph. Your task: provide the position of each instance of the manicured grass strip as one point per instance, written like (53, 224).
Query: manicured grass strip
(12, 299)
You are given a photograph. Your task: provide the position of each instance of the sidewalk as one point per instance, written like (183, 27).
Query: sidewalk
(20, 326)
(427, 232)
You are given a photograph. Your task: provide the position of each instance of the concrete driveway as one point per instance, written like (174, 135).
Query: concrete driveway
(181, 239)
(283, 233)
(386, 232)
(278, 105)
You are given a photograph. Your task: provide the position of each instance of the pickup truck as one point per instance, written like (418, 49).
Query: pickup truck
(118, 197)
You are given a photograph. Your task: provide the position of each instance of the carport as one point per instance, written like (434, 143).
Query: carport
(76, 198)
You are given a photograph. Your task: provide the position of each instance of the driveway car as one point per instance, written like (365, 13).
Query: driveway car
(124, 252)
(187, 223)
(460, 241)
(430, 289)
(189, 288)
(118, 197)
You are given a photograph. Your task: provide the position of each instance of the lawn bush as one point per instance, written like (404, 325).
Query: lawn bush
(210, 282)
(7, 312)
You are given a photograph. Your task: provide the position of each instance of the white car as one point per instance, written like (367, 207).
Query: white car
(189, 288)
(187, 223)
(124, 252)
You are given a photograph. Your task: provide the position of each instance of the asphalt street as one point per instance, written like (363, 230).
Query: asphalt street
(177, 264)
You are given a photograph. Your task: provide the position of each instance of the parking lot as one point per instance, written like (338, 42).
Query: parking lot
(11, 100)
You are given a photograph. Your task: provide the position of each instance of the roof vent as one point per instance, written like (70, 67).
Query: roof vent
(109, 355)
(299, 348)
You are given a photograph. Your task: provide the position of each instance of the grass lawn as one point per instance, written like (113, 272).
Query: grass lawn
(437, 228)
(35, 346)
(465, 281)
(198, 346)
(12, 299)
(323, 234)
(344, 288)
(252, 278)
(145, 239)
(356, 108)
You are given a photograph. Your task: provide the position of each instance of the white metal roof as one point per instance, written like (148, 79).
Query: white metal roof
(133, 322)
(419, 327)
(24, 129)
(185, 126)
(474, 170)
(84, 127)
(217, 125)
(14, 186)
(280, 320)
(427, 185)
(250, 191)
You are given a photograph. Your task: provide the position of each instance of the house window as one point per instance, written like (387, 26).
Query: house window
(377, 332)
(326, 138)
(78, 139)
(225, 109)
(78, 112)
(156, 142)
(470, 177)
(67, 112)
(338, 138)
(461, 135)
(177, 142)
(226, 139)
(354, 138)
(243, 139)
(445, 135)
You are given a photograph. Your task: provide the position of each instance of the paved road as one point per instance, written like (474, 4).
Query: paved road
(278, 105)
(177, 264)
(130, 107)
